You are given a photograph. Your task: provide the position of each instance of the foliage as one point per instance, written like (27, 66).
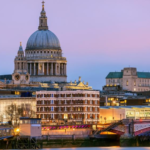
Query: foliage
(16, 111)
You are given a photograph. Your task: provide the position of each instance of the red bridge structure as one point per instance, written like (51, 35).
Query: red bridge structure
(127, 127)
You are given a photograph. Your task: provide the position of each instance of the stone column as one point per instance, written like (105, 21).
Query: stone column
(47, 68)
(64, 69)
(38, 68)
(43, 68)
(27, 66)
(55, 68)
(34, 70)
(24, 65)
(30, 68)
(15, 66)
(61, 69)
(58, 68)
(51, 68)
(20, 66)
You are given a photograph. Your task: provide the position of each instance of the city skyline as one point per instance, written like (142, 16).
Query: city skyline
(104, 37)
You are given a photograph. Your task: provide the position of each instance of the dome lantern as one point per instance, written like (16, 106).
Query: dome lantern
(43, 38)
(43, 19)
(20, 48)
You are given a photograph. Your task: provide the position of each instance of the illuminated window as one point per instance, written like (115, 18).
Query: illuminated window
(96, 116)
(108, 104)
(17, 93)
(127, 83)
(79, 109)
(134, 83)
(65, 116)
(85, 116)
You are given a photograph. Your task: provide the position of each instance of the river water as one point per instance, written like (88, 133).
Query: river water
(104, 148)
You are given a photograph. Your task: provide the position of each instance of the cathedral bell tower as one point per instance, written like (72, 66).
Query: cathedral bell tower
(43, 19)
(20, 75)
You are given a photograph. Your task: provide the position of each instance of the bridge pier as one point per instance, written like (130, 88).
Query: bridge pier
(128, 129)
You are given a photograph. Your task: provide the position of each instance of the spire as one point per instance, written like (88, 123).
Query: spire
(20, 47)
(43, 6)
(43, 19)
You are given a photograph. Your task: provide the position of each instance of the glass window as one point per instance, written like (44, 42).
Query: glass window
(52, 95)
(96, 116)
(95, 102)
(85, 101)
(90, 108)
(85, 116)
(90, 102)
(52, 108)
(52, 101)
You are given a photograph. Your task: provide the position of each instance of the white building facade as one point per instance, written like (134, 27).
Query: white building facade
(42, 58)
(129, 79)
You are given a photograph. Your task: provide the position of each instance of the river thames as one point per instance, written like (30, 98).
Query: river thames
(104, 148)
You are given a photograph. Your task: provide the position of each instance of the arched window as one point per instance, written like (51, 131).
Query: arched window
(127, 83)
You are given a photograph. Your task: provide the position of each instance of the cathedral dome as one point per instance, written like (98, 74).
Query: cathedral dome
(43, 39)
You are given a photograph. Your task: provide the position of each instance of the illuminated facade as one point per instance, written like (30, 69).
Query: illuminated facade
(28, 103)
(111, 113)
(129, 79)
(69, 106)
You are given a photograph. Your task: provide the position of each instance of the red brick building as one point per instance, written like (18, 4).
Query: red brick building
(68, 106)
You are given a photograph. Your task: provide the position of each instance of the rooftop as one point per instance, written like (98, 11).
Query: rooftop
(120, 75)
(125, 107)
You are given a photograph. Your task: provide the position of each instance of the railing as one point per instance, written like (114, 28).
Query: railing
(45, 57)
(113, 124)
(5, 133)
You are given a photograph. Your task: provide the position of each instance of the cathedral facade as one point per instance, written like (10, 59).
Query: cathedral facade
(42, 60)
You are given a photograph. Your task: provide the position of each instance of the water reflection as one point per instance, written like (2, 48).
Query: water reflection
(104, 148)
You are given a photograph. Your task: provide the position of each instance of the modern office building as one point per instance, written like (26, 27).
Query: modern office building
(113, 113)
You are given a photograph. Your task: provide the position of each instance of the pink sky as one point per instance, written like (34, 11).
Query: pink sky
(97, 36)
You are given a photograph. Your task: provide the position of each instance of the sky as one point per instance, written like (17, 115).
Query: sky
(96, 36)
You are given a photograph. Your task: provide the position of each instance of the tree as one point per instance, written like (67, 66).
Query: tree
(16, 111)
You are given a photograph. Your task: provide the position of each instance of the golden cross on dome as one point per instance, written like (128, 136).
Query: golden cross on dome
(43, 2)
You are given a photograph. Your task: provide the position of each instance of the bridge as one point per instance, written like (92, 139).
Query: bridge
(127, 127)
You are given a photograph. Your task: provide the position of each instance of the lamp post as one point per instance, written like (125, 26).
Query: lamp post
(114, 102)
